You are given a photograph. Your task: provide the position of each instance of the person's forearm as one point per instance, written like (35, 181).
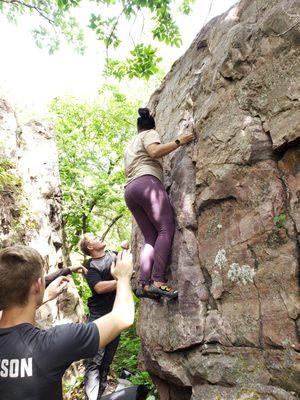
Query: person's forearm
(51, 277)
(105, 286)
(163, 149)
(123, 307)
(46, 298)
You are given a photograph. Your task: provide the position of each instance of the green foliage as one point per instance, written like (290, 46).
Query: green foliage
(83, 290)
(91, 139)
(127, 357)
(105, 30)
(7, 178)
(186, 6)
(128, 351)
(143, 64)
(280, 220)
(57, 21)
(166, 30)
(73, 385)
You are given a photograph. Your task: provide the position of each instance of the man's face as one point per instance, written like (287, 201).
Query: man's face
(96, 243)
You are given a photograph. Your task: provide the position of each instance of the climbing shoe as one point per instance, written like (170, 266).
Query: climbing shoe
(142, 293)
(163, 290)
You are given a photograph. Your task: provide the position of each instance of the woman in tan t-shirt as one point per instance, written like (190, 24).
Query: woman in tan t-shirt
(149, 203)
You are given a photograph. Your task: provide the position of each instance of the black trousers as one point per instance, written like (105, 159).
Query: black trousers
(97, 369)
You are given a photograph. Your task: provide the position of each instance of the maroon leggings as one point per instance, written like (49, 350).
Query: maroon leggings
(149, 203)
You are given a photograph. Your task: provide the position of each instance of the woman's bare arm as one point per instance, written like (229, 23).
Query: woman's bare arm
(157, 150)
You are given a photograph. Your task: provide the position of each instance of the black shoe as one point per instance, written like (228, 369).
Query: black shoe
(163, 290)
(142, 293)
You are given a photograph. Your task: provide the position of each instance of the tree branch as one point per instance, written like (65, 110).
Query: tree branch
(116, 219)
(112, 32)
(143, 24)
(31, 6)
(130, 34)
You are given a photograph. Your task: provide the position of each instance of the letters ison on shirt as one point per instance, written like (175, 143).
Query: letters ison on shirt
(15, 368)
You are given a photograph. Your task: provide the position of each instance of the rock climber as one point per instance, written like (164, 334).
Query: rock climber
(149, 203)
(103, 286)
(33, 361)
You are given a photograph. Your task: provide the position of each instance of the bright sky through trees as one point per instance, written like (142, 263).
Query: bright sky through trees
(31, 78)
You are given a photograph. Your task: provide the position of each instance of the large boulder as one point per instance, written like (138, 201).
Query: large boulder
(234, 331)
(30, 203)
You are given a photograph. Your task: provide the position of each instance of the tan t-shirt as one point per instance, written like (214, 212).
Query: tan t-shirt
(137, 160)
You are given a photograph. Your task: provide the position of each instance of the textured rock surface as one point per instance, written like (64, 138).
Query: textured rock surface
(234, 331)
(30, 207)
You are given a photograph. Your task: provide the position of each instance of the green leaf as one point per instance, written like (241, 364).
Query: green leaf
(280, 220)
(57, 24)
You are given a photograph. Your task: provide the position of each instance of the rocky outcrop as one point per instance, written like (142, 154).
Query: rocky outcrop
(234, 331)
(30, 203)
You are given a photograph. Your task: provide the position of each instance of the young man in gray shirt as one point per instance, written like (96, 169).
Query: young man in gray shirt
(103, 288)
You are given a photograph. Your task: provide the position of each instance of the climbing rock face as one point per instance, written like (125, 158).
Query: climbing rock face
(234, 331)
(30, 203)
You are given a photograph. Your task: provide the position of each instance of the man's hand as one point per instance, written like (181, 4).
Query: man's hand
(125, 245)
(79, 269)
(122, 269)
(56, 288)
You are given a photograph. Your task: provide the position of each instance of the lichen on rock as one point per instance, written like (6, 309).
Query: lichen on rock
(242, 274)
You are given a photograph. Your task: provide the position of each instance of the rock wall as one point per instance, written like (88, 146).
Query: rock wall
(30, 203)
(234, 331)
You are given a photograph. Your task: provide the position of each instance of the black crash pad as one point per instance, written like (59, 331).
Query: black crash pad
(131, 393)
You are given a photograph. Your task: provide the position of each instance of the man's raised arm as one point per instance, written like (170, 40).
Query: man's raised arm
(122, 314)
(105, 286)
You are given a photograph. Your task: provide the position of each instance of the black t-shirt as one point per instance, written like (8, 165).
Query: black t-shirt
(33, 361)
(99, 271)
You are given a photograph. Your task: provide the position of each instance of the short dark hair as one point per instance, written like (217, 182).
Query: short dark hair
(145, 120)
(20, 266)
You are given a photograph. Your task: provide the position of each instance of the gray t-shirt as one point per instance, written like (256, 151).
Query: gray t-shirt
(137, 160)
(99, 271)
(33, 361)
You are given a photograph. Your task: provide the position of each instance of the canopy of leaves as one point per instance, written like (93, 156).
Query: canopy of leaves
(57, 20)
(91, 139)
